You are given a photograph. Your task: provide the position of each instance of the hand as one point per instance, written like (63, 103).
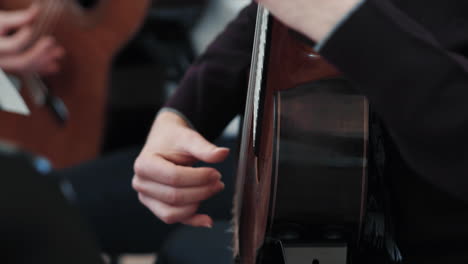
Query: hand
(164, 179)
(17, 52)
(314, 18)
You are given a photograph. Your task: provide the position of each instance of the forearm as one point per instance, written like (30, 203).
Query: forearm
(214, 88)
(316, 19)
(416, 85)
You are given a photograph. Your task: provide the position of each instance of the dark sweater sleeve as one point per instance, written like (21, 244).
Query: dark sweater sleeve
(213, 90)
(418, 88)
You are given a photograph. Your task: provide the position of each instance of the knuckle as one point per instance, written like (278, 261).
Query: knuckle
(172, 175)
(138, 166)
(175, 179)
(136, 184)
(174, 197)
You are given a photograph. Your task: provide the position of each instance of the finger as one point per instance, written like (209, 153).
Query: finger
(57, 52)
(50, 62)
(17, 42)
(199, 220)
(158, 169)
(176, 196)
(11, 20)
(40, 55)
(202, 149)
(30, 60)
(49, 69)
(168, 214)
(43, 48)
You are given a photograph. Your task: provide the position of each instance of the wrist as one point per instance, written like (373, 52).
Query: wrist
(171, 117)
(165, 123)
(327, 17)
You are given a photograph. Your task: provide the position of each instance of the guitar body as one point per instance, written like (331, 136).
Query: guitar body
(90, 37)
(301, 183)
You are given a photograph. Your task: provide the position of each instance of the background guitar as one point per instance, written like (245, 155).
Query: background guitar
(91, 37)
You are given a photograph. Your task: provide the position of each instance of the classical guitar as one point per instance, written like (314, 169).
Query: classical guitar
(67, 109)
(301, 182)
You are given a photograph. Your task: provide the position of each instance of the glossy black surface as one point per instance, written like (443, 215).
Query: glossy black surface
(322, 156)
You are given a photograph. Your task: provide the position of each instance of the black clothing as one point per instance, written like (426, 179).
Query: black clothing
(193, 245)
(37, 224)
(102, 191)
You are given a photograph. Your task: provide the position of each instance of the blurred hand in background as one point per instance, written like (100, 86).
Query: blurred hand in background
(20, 52)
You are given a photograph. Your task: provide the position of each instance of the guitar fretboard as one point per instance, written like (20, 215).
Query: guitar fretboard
(251, 115)
(259, 66)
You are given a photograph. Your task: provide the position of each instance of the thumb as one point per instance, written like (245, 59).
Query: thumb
(204, 150)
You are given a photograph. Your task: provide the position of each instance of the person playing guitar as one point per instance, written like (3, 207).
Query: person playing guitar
(409, 58)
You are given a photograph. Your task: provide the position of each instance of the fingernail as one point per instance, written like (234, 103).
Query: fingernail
(208, 225)
(221, 148)
(217, 175)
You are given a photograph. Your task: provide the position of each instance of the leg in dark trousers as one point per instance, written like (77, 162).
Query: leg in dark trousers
(37, 224)
(102, 191)
(195, 245)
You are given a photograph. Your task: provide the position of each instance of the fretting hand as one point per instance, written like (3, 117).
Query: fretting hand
(17, 53)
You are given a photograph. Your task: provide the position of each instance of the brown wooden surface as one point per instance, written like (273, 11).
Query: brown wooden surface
(294, 62)
(91, 38)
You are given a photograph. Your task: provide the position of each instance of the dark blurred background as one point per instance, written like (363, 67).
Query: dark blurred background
(144, 74)
(149, 68)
